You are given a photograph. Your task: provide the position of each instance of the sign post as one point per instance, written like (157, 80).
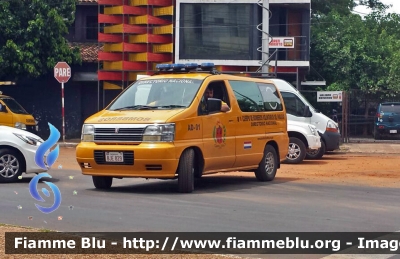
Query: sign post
(341, 97)
(62, 72)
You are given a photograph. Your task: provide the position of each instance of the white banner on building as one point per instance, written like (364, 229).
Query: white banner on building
(282, 43)
(329, 96)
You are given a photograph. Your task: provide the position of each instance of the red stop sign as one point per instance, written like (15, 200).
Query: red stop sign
(62, 72)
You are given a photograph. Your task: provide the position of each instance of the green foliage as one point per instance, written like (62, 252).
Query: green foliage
(320, 7)
(352, 52)
(33, 37)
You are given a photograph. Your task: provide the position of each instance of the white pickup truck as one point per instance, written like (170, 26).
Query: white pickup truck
(303, 138)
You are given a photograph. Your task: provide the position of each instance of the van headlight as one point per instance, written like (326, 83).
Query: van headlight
(159, 133)
(332, 126)
(20, 125)
(87, 133)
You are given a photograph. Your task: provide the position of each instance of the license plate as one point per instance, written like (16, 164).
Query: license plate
(393, 131)
(115, 157)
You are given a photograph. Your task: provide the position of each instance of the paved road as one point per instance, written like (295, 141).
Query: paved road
(219, 203)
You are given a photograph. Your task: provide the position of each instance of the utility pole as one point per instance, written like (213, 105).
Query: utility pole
(265, 36)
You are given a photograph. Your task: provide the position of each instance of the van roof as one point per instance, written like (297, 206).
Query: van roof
(283, 85)
(202, 76)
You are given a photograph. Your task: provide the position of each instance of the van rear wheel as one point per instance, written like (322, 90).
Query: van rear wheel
(186, 172)
(102, 182)
(266, 170)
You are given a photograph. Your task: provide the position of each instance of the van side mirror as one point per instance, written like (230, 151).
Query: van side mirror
(214, 105)
(307, 113)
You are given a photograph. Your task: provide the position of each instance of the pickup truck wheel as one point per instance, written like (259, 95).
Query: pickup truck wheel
(102, 182)
(317, 154)
(377, 136)
(186, 172)
(266, 170)
(11, 165)
(297, 151)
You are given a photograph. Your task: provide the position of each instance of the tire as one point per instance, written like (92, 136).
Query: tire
(377, 136)
(186, 172)
(12, 164)
(268, 166)
(317, 154)
(297, 151)
(102, 182)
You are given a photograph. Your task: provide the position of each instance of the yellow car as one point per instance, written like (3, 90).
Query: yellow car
(12, 114)
(184, 122)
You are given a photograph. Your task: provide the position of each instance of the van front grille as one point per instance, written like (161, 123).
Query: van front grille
(118, 134)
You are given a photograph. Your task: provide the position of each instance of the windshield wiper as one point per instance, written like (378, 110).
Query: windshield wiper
(136, 107)
(173, 106)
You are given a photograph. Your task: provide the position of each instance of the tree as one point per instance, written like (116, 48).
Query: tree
(33, 40)
(359, 54)
(324, 7)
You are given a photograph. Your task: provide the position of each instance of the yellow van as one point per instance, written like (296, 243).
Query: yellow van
(165, 127)
(12, 114)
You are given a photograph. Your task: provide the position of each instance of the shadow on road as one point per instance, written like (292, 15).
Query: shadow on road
(28, 179)
(207, 184)
(310, 162)
(327, 158)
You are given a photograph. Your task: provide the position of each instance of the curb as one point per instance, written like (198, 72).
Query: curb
(67, 144)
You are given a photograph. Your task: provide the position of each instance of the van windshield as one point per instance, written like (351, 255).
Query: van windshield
(168, 93)
(14, 106)
(390, 108)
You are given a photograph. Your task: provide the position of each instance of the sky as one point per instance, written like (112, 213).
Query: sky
(394, 9)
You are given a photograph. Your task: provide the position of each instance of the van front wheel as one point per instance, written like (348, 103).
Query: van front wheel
(297, 151)
(266, 170)
(186, 172)
(102, 182)
(317, 154)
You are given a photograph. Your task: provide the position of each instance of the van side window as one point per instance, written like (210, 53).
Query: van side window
(248, 95)
(219, 92)
(271, 97)
(293, 104)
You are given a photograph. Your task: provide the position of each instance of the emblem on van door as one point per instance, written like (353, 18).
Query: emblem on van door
(219, 134)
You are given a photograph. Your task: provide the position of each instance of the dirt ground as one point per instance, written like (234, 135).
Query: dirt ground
(336, 168)
(339, 168)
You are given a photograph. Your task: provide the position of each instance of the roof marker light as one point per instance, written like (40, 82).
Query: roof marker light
(207, 65)
(178, 66)
(191, 65)
(163, 66)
